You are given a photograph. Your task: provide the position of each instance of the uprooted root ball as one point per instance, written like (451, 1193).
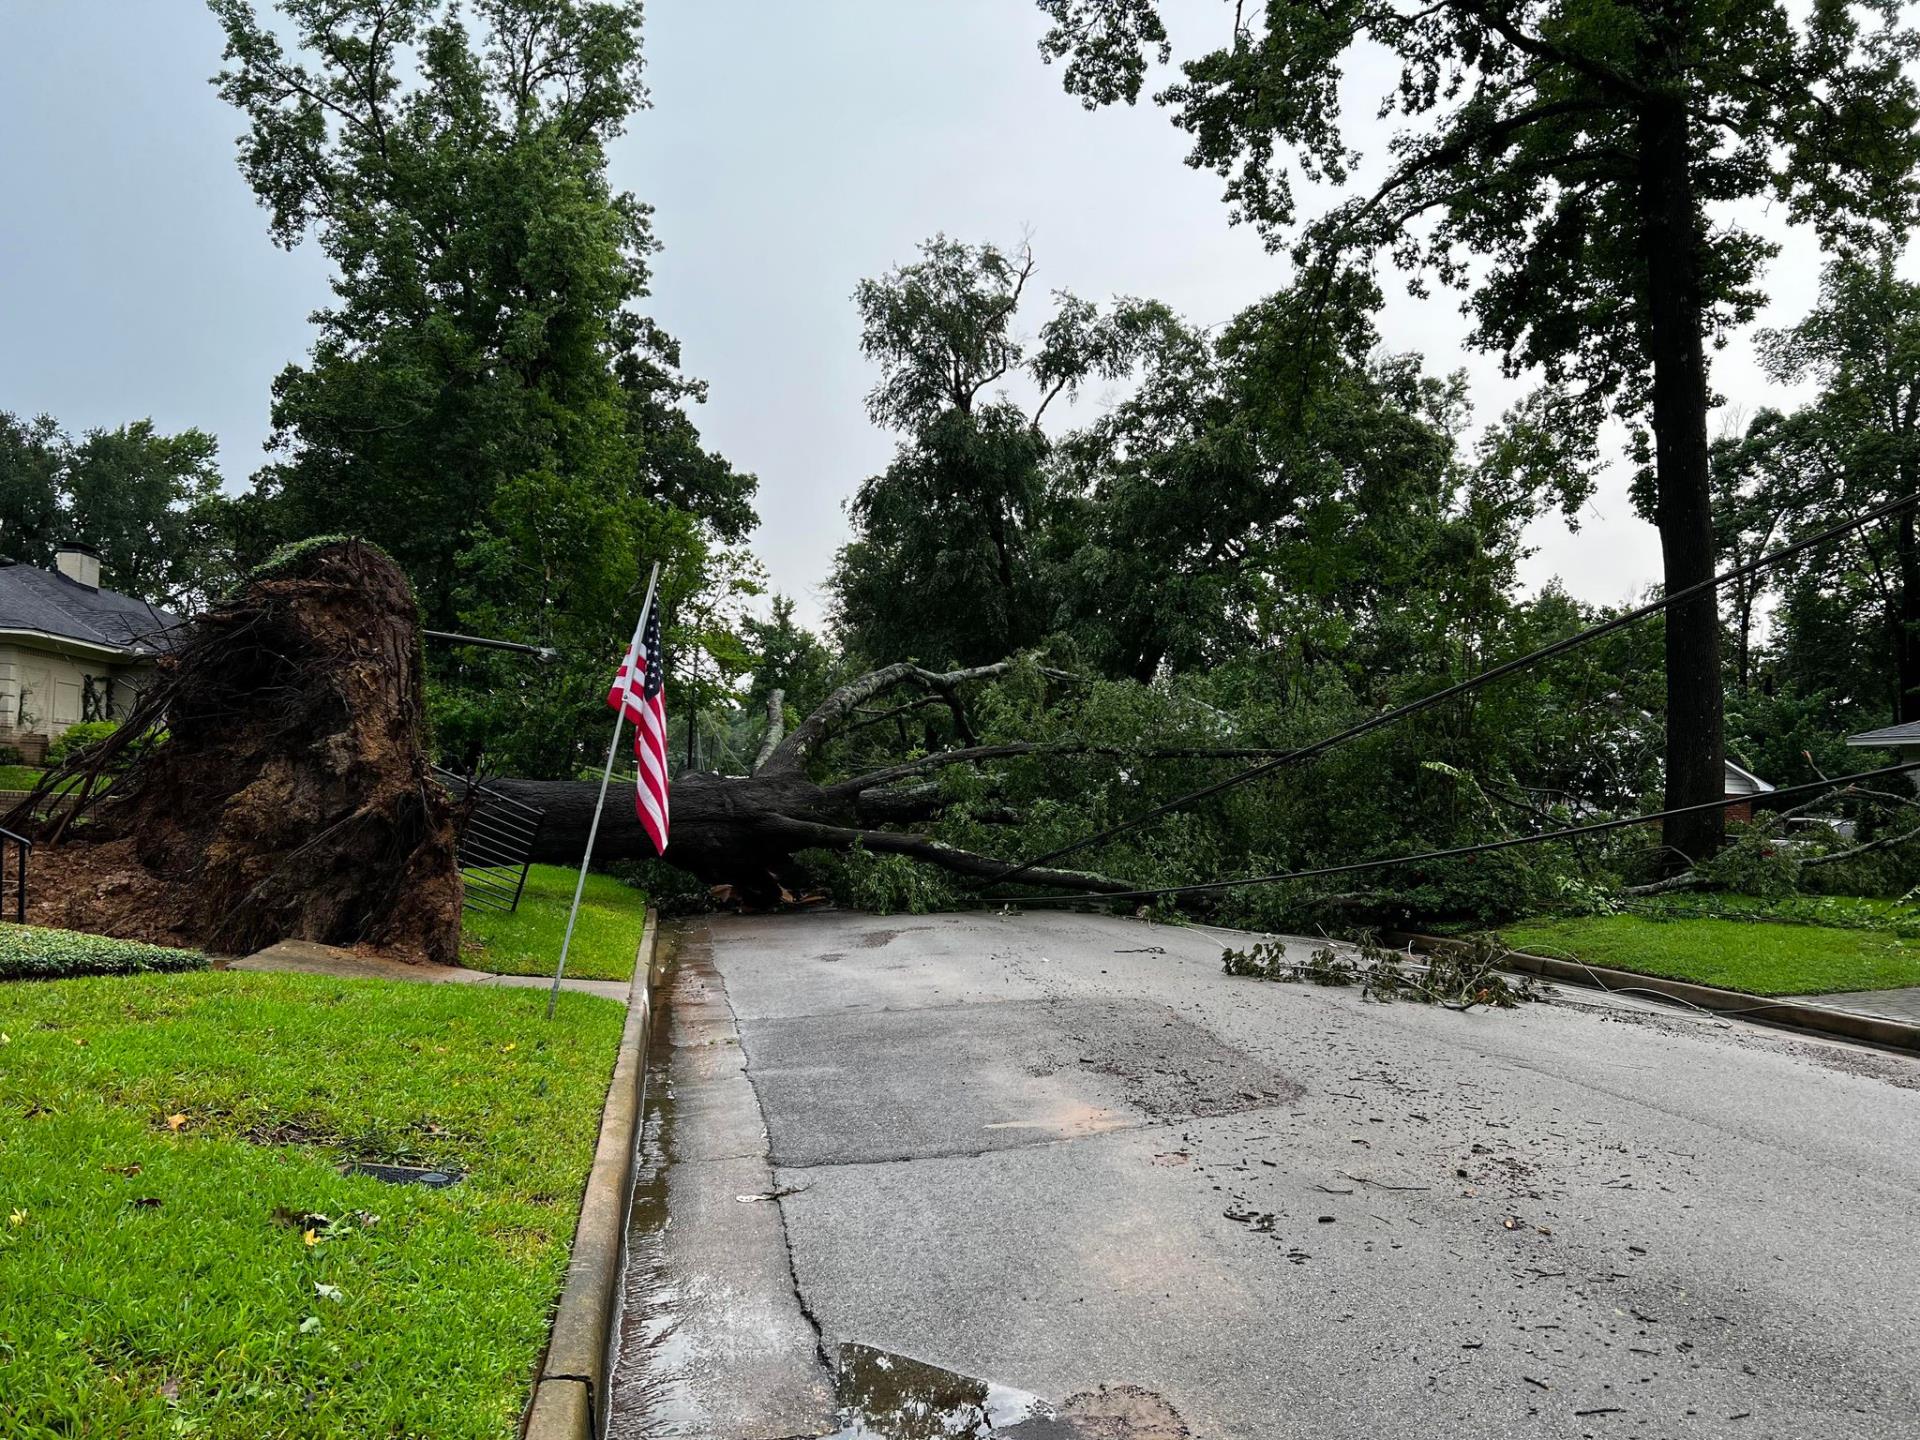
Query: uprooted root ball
(291, 797)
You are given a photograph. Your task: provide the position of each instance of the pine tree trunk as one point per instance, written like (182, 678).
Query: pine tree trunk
(1907, 640)
(1671, 245)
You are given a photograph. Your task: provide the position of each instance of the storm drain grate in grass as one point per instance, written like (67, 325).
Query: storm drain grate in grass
(405, 1174)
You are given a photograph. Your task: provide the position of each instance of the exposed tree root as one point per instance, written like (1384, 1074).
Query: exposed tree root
(291, 798)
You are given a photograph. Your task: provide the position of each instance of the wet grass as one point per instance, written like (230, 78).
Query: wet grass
(1761, 956)
(527, 942)
(180, 1254)
(34, 952)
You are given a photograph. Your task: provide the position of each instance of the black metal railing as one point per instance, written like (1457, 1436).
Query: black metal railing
(23, 847)
(497, 833)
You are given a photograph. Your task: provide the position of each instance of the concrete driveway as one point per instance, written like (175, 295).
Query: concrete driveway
(1052, 1175)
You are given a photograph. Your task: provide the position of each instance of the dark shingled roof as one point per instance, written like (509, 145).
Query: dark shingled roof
(51, 604)
(1893, 735)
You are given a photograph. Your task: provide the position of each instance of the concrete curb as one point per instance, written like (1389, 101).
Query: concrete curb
(569, 1400)
(1787, 1014)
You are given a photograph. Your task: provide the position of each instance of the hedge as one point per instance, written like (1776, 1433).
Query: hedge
(28, 952)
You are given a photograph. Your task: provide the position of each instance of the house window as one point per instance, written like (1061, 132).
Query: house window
(96, 697)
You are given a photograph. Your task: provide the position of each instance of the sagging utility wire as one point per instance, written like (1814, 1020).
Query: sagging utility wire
(1462, 687)
(1597, 827)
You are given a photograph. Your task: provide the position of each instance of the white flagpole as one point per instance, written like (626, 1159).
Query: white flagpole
(593, 829)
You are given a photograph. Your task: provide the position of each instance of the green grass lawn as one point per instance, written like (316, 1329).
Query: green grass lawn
(25, 777)
(527, 942)
(180, 1254)
(1764, 957)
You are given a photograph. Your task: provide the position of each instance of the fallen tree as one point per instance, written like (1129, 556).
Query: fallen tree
(291, 797)
(744, 831)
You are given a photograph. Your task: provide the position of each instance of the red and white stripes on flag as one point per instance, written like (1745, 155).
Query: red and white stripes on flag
(639, 693)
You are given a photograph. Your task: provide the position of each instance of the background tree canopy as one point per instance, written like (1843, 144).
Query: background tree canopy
(1569, 162)
(150, 504)
(1257, 533)
(483, 397)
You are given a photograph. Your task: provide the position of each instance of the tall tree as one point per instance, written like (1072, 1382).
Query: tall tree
(32, 455)
(483, 397)
(942, 564)
(788, 659)
(1746, 520)
(1284, 487)
(151, 505)
(1856, 446)
(1563, 159)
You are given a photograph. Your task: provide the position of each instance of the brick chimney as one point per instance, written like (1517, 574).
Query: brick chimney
(79, 563)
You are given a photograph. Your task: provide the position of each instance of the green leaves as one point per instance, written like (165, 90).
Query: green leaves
(149, 503)
(1107, 45)
(483, 398)
(1519, 164)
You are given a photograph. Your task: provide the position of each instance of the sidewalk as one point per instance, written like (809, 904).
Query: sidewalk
(1902, 1004)
(1887, 1018)
(306, 958)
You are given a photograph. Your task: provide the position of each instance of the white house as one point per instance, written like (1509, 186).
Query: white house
(70, 651)
(1903, 740)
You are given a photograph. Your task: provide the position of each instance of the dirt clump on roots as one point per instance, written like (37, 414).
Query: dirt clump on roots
(272, 783)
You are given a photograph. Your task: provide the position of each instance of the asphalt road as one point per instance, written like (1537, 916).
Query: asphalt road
(1111, 1192)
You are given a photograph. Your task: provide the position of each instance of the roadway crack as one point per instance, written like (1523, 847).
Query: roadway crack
(711, 974)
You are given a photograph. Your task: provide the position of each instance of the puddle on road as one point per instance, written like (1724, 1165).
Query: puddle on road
(884, 1396)
(889, 1397)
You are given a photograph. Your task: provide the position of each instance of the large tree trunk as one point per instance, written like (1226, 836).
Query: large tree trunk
(744, 831)
(1671, 245)
(1907, 624)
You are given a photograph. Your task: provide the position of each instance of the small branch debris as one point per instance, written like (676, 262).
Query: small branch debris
(1380, 1184)
(1458, 978)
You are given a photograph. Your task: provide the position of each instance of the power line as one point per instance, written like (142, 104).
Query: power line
(446, 637)
(1461, 687)
(1597, 827)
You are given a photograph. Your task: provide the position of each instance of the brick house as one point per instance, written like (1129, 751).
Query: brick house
(1742, 786)
(70, 651)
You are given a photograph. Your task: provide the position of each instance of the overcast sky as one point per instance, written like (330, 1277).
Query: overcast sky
(792, 149)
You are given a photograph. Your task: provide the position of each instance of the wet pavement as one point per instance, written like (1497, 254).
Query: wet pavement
(1023, 1176)
(712, 1341)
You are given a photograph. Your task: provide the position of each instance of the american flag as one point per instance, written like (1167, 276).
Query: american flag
(637, 694)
